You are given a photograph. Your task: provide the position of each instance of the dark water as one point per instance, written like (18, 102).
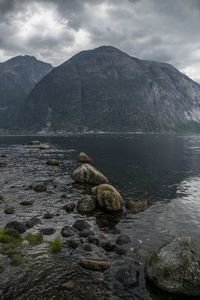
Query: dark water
(162, 168)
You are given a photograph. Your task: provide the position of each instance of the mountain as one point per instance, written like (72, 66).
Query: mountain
(107, 90)
(18, 76)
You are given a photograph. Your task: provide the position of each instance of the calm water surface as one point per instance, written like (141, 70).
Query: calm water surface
(162, 168)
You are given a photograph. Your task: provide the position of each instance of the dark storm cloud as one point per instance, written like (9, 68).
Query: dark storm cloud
(53, 30)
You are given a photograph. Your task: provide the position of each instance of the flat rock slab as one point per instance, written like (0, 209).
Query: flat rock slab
(95, 264)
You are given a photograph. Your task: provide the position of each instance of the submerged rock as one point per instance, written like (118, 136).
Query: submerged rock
(95, 264)
(69, 207)
(73, 243)
(128, 277)
(40, 187)
(123, 239)
(44, 147)
(84, 158)
(136, 206)
(3, 163)
(53, 162)
(86, 233)
(108, 197)
(175, 267)
(27, 203)
(9, 210)
(48, 215)
(86, 204)
(88, 174)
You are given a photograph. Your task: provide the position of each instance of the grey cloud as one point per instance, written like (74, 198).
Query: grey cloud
(149, 29)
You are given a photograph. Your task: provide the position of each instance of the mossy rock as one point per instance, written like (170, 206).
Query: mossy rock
(88, 174)
(175, 267)
(108, 197)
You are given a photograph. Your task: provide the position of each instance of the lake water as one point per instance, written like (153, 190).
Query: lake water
(162, 168)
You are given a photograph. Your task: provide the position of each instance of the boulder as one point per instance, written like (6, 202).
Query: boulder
(53, 162)
(44, 147)
(108, 197)
(86, 205)
(136, 206)
(175, 267)
(3, 163)
(84, 158)
(95, 264)
(88, 174)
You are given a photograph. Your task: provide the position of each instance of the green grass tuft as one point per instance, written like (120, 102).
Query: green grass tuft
(56, 245)
(1, 198)
(34, 238)
(16, 260)
(10, 237)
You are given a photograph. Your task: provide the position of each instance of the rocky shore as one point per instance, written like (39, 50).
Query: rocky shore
(59, 236)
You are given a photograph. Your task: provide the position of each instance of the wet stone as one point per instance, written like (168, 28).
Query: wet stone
(32, 222)
(109, 245)
(81, 225)
(123, 239)
(3, 163)
(63, 196)
(88, 247)
(67, 231)
(120, 250)
(16, 226)
(85, 233)
(73, 243)
(69, 207)
(26, 203)
(48, 215)
(39, 187)
(9, 210)
(86, 204)
(48, 231)
(93, 240)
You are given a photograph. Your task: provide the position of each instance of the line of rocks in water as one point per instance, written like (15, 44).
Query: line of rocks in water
(174, 267)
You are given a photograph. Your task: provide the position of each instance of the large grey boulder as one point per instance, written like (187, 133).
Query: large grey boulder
(88, 174)
(175, 267)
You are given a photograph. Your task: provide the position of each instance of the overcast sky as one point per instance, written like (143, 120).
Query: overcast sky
(54, 30)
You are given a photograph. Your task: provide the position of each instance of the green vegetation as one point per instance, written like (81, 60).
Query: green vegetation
(7, 235)
(34, 238)
(16, 259)
(56, 245)
(1, 198)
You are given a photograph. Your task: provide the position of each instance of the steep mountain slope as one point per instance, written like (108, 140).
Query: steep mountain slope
(18, 76)
(107, 90)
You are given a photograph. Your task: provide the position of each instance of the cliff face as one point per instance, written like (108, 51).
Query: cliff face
(18, 76)
(107, 90)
